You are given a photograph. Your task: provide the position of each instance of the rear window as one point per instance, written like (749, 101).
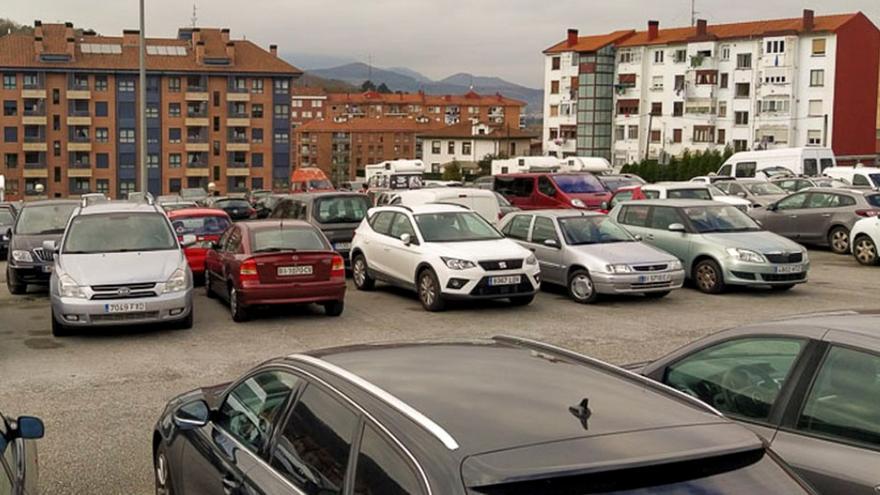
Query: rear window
(341, 209)
(286, 239)
(873, 200)
(44, 219)
(206, 225)
(578, 184)
(746, 169)
(696, 193)
(232, 203)
(118, 233)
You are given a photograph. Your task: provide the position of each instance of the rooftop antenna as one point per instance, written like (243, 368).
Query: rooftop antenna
(194, 19)
(694, 13)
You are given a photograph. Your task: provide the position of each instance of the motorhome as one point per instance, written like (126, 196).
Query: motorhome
(586, 164)
(395, 174)
(764, 164)
(526, 164)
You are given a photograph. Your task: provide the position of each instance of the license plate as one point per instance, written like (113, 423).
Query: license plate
(508, 280)
(124, 307)
(288, 271)
(342, 246)
(47, 268)
(789, 268)
(657, 277)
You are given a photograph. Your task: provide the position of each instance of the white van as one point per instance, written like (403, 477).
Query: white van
(484, 202)
(395, 174)
(857, 177)
(526, 164)
(809, 162)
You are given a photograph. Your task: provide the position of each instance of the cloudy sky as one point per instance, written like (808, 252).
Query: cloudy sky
(435, 37)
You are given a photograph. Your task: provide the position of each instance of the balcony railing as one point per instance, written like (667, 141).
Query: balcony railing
(238, 115)
(33, 85)
(237, 164)
(37, 111)
(196, 138)
(196, 88)
(197, 114)
(78, 85)
(197, 164)
(237, 89)
(35, 165)
(79, 113)
(35, 139)
(80, 164)
(238, 138)
(80, 138)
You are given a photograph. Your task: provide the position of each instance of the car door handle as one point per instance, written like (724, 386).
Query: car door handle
(826, 215)
(231, 486)
(792, 216)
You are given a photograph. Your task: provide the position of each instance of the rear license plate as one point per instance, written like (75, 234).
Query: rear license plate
(508, 280)
(789, 268)
(339, 246)
(288, 271)
(47, 268)
(654, 278)
(124, 307)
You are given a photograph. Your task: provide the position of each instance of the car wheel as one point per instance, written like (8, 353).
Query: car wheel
(838, 239)
(162, 472)
(209, 293)
(782, 288)
(429, 291)
(334, 308)
(238, 310)
(581, 288)
(709, 277)
(59, 329)
(13, 285)
(657, 295)
(361, 275)
(865, 251)
(522, 300)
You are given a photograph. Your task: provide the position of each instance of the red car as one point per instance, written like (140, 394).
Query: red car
(543, 191)
(267, 262)
(628, 193)
(207, 225)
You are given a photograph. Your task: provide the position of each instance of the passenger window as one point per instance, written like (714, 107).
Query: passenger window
(546, 187)
(224, 239)
(621, 197)
(739, 377)
(811, 167)
(724, 186)
(746, 169)
(233, 244)
(637, 216)
(724, 171)
(401, 225)
(381, 222)
(649, 194)
(382, 470)
(663, 216)
(845, 201)
(313, 448)
(250, 408)
(843, 401)
(523, 187)
(793, 202)
(544, 230)
(825, 163)
(518, 228)
(736, 189)
(822, 200)
(860, 180)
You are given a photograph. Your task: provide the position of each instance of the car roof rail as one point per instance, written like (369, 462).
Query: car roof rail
(449, 203)
(92, 200)
(597, 363)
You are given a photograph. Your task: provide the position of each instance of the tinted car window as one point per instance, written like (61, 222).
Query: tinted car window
(811, 167)
(250, 409)
(740, 377)
(636, 216)
(518, 227)
(382, 470)
(544, 230)
(381, 222)
(746, 169)
(695, 193)
(843, 401)
(621, 196)
(44, 219)
(455, 227)
(313, 448)
(119, 232)
(826, 162)
(823, 200)
(793, 202)
(649, 194)
(401, 225)
(546, 187)
(341, 209)
(232, 203)
(298, 238)
(860, 180)
(515, 186)
(202, 225)
(873, 199)
(663, 216)
(579, 183)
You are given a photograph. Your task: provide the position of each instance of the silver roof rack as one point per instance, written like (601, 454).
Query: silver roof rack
(420, 419)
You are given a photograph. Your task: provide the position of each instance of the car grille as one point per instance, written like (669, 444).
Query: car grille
(651, 285)
(123, 291)
(495, 265)
(139, 315)
(783, 277)
(650, 268)
(43, 255)
(484, 289)
(785, 257)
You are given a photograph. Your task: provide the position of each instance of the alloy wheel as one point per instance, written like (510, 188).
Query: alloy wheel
(865, 251)
(707, 278)
(233, 301)
(162, 475)
(840, 241)
(427, 291)
(359, 272)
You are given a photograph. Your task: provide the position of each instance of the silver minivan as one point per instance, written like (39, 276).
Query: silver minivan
(119, 263)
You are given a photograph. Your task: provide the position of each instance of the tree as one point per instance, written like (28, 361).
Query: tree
(383, 89)
(452, 171)
(8, 26)
(485, 163)
(368, 86)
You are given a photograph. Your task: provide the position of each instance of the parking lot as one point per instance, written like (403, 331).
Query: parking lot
(100, 393)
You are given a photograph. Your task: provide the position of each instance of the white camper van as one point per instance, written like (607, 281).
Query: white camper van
(809, 162)
(526, 164)
(586, 164)
(395, 174)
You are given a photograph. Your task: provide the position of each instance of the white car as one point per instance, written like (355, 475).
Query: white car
(866, 237)
(442, 252)
(694, 190)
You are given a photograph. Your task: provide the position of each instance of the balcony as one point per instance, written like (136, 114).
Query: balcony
(79, 169)
(238, 146)
(34, 115)
(197, 122)
(34, 143)
(238, 122)
(237, 169)
(238, 96)
(78, 94)
(197, 95)
(197, 147)
(79, 120)
(35, 171)
(698, 62)
(198, 171)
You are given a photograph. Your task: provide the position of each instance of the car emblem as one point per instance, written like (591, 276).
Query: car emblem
(124, 291)
(502, 264)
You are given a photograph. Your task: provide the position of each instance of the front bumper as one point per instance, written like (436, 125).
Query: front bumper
(88, 312)
(742, 273)
(637, 283)
(474, 283)
(31, 273)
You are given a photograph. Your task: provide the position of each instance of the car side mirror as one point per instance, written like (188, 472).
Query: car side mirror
(677, 227)
(551, 243)
(29, 428)
(188, 240)
(50, 246)
(772, 207)
(604, 206)
(192, 415)
(406, 239)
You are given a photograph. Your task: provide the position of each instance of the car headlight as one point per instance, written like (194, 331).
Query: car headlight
(675, 265)
(4, 237)
(176, 283)
(806, 258)
(619, 268)
(67, 287)
(531, 260)
(24, 256)
(458, 264)
(745, 255)
(577, 203)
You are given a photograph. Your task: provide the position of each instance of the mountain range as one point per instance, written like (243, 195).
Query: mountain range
(410, 81)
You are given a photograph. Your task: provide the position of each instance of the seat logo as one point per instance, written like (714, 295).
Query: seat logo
(502, 264)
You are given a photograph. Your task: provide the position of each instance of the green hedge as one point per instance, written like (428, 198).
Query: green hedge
(685, 167)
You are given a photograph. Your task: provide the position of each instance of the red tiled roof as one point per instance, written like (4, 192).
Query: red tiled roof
(464, 130)
(17, 51)
(590, 43)
(470, 98)
(384, 124)
(826, 23)
(307, 91)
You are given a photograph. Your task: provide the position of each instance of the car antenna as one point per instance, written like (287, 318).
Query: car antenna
(582, 412)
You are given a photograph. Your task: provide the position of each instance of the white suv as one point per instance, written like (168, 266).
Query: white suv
(866, 240)
(443, 252)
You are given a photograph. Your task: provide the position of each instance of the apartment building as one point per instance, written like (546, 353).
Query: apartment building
(807, 81)
(217, 110)
(306, 104)
(467, 143)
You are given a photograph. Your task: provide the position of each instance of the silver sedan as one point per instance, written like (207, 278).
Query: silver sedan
(590, 255)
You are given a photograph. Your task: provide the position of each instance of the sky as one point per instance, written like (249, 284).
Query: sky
(435, 37)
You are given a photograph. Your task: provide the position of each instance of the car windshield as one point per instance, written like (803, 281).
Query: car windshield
(455, 227)
(231, 203)
(578, 184)
(706, 219)
(44, 219)
(598, 229)
(266, 240)
(715, 192)
(764, 189)
(200, 225)
(118, 233)
(6, 217)
(616, 183)
(341, 209)
(193, 193)
(695, 193)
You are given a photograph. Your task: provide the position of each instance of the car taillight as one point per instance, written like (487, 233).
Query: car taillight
(337, 269)
(868, 213)
(247, 273)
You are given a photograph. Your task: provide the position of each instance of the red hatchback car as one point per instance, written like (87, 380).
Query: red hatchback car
(207, 225)
(268, 262)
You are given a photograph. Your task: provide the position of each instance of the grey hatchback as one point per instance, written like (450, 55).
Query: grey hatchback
(821, 216)
(809, 385)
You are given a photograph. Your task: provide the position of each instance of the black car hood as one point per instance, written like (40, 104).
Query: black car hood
(29, 242)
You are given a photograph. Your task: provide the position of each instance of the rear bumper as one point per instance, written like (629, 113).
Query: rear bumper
(606, 283)
(316, 292)
(86, 312)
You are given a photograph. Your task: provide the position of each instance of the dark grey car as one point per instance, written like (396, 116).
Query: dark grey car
(7, 220)
(821, 216)
(28, 262)
(808, 385)
(337, 214)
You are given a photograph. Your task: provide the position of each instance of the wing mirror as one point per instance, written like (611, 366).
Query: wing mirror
(188, 240)
(551, 243)
(406, 239)
(192, 415)
(25, 427)
(677, 227)
(50, 246)
(772, 207)
(605, 206)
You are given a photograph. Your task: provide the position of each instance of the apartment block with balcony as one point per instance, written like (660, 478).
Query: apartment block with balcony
(217, 110)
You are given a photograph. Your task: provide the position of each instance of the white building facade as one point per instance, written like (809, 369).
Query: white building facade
(469, 143)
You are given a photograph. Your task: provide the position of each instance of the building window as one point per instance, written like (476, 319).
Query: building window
(554, 87)
(657, 108)
(126, 85)
(152, 160)
(174, 135)
(744, 61)
(657, 83)
(257, 86)
(819, 47)
(722, 109)
(102, 186)
(174, 109)
(216, 98)
(282, 110)
(676, 135)
(257, 135)
(620, 133)
(677, 108)
(257, 111)
(555, 63)
(282, 137)
(466, 148)
(174, 84)
(9, 81)
(282, 86)
(554, 110)
(10, 134)
(777, 46)
(56, 122)
(435, 147)
(101, 109)
(215, 148)
(450, 147)
(742, 90)
(174, 160)
(725, 52)
(658, 56)
(815, 108)
(722, 135)
(704, 134)
(628, 107)
(725, 78)
(814, 138)
(256, 183)
(126, 136)
(741, 118)
(707, 77)
(56, 96)
(257, 159)
(100, 83)
(656, 136)
(102, 160)
(626, 56)
(775, 106)
(633, 132)
(680, 56)
(102, 135)
(10, 160)
(817, 78)
(10, 108)
(152, 111)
